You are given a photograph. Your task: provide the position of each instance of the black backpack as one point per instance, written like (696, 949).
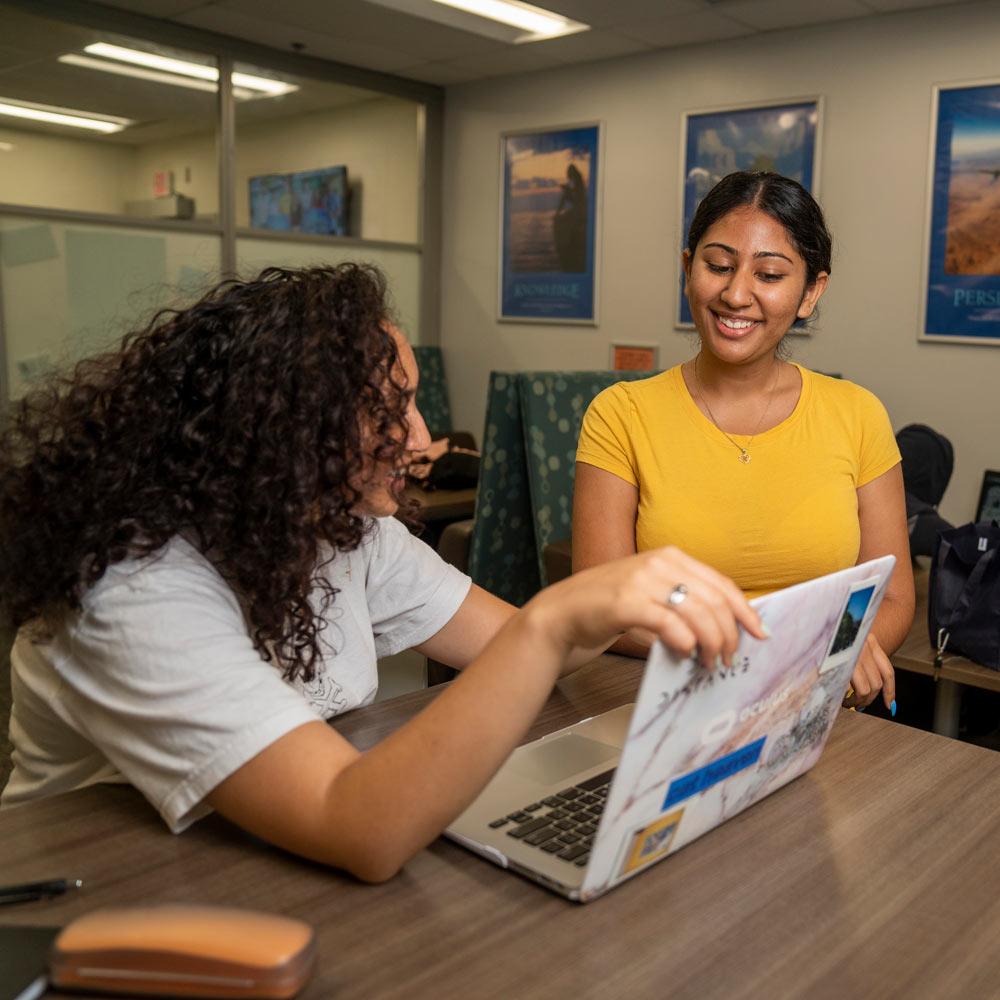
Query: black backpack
(928, 461)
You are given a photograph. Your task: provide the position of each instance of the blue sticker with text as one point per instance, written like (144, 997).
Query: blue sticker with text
(691, 784)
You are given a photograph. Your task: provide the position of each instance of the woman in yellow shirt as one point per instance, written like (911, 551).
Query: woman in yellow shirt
(769, 472)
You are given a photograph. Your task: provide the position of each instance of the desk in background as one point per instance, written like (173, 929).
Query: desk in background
(916, 655)
(874, 875)
(443, 505)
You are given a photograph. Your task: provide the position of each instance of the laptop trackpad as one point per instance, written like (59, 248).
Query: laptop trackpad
(552, 761)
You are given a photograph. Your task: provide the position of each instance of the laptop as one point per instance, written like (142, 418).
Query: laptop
(988, 508)
(588, 807)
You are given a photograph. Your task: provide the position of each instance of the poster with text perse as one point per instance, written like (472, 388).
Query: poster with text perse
(549, 210)
(961, 267)
(781, 137)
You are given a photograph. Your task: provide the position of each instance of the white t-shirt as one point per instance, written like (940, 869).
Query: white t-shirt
(156, 682)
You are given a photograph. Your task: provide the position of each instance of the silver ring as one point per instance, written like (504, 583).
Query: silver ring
(677, 596)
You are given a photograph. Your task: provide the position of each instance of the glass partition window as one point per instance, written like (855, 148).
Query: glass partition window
(95, 122)
(327, 159)
(71, 289)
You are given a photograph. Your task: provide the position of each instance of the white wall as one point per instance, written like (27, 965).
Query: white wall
(876, 77)
(57, 171)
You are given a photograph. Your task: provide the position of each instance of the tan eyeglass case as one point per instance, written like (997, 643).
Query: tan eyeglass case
(184, 951)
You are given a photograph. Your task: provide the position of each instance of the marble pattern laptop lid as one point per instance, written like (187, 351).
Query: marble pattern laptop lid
(704, 745)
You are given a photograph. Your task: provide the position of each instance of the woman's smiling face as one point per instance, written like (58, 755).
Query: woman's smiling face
(746, 285)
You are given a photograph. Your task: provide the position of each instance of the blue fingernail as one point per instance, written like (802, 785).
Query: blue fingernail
(892, 708)
(861, 708)
(765, 630)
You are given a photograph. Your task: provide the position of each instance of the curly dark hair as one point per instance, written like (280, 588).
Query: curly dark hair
(246, 421)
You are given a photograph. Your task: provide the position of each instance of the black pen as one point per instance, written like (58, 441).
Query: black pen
(31, 891)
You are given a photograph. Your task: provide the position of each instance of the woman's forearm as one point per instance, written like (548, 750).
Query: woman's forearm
(893, 622)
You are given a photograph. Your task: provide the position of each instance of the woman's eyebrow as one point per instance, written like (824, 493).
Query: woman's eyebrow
(759, 253)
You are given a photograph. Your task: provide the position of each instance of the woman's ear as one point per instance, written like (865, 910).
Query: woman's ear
(812, 295)
(686, 262)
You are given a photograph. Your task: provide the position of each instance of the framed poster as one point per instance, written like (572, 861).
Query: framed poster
(549, 222)
(783, 137)
(960, 284)
(634, 357)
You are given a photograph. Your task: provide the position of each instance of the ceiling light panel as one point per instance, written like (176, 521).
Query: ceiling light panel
(505, 20)
(153, 75)
(259, 85)
(54, 115)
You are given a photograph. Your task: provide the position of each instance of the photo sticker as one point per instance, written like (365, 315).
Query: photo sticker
(651, 842)
(847, 635)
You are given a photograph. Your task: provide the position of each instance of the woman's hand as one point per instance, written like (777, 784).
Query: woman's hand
(591, 608)
(873, 673)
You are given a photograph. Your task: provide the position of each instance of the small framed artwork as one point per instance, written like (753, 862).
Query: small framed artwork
(988, 508)
(549, 224)
(634, 357)
(960, 280)
(782, 136)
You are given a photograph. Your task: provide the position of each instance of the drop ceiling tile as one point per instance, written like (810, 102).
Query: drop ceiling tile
(603, 14)
(772, 15)
(585, 46)
(686, 29)
(440, 73)
(282, 36)
(513, 59)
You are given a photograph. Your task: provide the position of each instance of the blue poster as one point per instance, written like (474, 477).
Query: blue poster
(548, 256)
(781, 138)
(963, 267)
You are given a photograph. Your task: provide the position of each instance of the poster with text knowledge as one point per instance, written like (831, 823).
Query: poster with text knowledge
(548, 232)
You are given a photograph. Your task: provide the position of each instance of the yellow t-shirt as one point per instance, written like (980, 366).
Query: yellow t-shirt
(788, 515)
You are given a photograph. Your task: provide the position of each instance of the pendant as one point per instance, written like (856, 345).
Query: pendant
(744, 456)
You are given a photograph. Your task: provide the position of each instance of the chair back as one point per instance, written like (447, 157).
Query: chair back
(502, 550)
(525, 495)
(432, 390)
(553, 405)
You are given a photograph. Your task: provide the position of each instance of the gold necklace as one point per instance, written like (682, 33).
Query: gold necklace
(742, 449)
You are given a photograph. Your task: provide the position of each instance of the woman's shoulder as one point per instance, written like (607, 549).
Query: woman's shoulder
(842, 394)
(178, 567)
(640, 392)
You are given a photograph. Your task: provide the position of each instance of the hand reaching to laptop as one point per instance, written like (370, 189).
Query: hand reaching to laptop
(685, 603)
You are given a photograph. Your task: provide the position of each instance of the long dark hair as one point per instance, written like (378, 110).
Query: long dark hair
(785, 200)
(246, 421)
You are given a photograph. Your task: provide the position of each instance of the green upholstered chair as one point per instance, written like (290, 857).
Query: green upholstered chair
(525, 496)
(502, 548)
(552, 409)
(432, 390)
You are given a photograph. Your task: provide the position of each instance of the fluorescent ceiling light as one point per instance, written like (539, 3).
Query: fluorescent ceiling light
(538, 22)
(62, 116)
(137, 72)
(181, 67)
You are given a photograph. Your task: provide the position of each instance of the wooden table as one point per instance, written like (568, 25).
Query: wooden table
(874, 875)
(917, 656)
(443, 505)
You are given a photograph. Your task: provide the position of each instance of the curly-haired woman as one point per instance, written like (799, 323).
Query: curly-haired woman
(197, 547)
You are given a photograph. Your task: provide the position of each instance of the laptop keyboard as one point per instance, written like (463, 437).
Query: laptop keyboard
(563, 824)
